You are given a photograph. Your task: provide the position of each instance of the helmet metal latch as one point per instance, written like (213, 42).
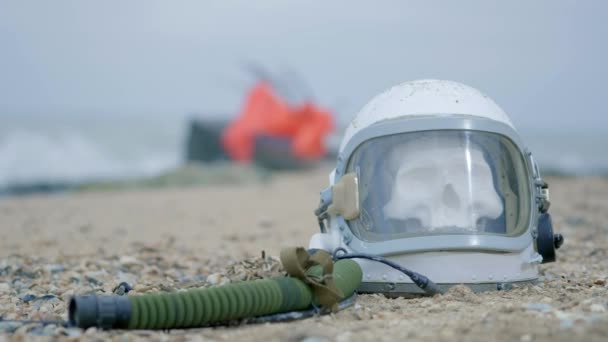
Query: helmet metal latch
(543, 195)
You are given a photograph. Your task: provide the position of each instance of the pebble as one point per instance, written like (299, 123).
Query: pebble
(129, 261)
(122, 289)
(597, 308)
(73, 332)
(28, 297)
(9, 327)
(93, 281)
(426, 303)
(49, 329)
(266, 223)
(54, 268)
(313, 339)
(540, 307)
(526, 338)
(344, 336)
(141, 288)
(90, 331)
(216, 279)
(4, 288)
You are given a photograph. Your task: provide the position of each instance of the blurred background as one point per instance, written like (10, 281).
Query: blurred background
(107, 90)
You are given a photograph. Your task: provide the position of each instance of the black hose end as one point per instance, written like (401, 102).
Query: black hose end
(426, 284)
(432, 288)
(104, 312)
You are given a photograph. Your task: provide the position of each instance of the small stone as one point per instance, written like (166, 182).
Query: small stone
(47, 297)
(266, 223)
(29, 298)
(540, 307)
(5, 288)
(426, 303)
(73, 332)
(141, 288)
(54, 289)
(327, 318)
(90, 331)
(54, 268)
(313, 339)
(19, 285)
(10, 316)
(9, 327)
(526, 338)
(129, 261)
(600, 282)
(215, 279)
(49, 330)
(344, 336)
(25, 273)
(597, 308)
(548, 277)
(566, 321)
(122, 289)
(93, 281)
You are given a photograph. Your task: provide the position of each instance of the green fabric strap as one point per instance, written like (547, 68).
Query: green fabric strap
(296, 261)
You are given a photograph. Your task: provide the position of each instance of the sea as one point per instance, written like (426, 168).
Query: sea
(78, 149)
(74, 149)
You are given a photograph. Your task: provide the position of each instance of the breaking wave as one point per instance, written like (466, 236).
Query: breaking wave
(31, 157)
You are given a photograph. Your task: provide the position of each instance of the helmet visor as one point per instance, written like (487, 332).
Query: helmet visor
(440, 182)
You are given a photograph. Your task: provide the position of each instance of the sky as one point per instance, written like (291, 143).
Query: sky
(544, 62)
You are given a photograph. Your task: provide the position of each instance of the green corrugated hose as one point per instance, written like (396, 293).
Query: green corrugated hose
(201, 307)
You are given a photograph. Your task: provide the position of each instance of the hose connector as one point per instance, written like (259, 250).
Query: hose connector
(425, 284)
(105, 312)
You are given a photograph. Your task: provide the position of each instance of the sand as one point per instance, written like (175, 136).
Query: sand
(55, 246)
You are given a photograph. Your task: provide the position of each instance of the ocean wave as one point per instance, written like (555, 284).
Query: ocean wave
(29, 157)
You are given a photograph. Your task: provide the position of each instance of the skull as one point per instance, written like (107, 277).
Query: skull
(444, 183)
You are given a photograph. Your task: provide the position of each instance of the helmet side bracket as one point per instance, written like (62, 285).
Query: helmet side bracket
(546, 241)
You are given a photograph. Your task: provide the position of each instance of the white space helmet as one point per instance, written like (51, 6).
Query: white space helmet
(432, 175)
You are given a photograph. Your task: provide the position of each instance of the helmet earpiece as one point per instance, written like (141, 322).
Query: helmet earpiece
(546, 241)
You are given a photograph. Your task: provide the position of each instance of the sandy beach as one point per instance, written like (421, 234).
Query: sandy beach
(55, 246)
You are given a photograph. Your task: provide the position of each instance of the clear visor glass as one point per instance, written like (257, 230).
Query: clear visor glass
(440, 182)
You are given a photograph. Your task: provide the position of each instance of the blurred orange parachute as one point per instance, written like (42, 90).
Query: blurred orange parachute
(266, 114)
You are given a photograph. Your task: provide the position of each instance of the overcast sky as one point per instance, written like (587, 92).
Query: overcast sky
(544, 62)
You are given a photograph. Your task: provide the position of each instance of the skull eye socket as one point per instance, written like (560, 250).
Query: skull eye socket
(481, 223)
(413, 225)
(488, 225)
